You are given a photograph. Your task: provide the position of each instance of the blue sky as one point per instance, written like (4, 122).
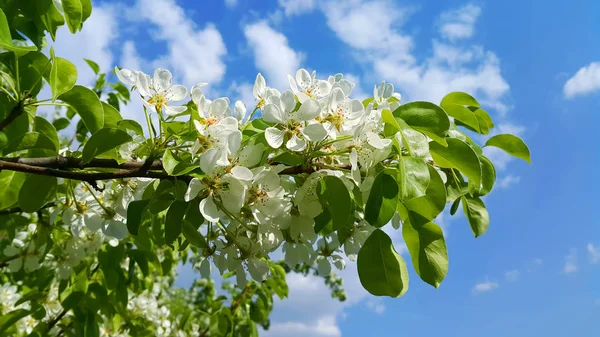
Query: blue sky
(537, 269)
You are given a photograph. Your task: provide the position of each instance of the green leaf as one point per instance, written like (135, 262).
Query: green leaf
(29, 141)
(512, 145)
(192, 235)
(454, 206)
(9, 319)
(91, 328)
(63, 75)
(485, 121)
(427, 247)
(112, 117)
(61, 123)
(52, 19)
(128, 124)
(463, 114)
(36, 191)
(381, 205)
(367, 101)
(176, 166)
(287, 158)
(11, 183)
(33, 66)
(73, 10)
(141, 259)
(460, 98)
(6, 39)
(488, 176)
(173, 221)
(433, 202)
(427, 118)
(381, 270)
(87, 104)
(95, 67)
(41, 125)
(86, 11)
(476, 213)
(135, 214)
(334, 196)
(413, 177)
(458, 155)
(103, 141)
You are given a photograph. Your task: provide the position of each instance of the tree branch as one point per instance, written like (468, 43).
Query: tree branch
(15, 112)
(19, 210)
(61, 167)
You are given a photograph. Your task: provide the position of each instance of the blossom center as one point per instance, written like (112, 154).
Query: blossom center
(158, 100)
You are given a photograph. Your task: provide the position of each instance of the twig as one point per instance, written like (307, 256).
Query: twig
(19, 210)
(15, 112)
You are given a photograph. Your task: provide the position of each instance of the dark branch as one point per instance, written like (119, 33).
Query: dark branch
(19, 210)
(15, 112)
(66, 163)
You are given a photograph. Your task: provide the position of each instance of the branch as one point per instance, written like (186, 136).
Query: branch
(15, 112)
(19, 210)
(61, 167)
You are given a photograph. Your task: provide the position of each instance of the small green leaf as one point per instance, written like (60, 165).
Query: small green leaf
(41, 125)
(476, 213)
(287, 158)
(104, 141)
(458, 155)
(173, 220)
(10, 318)
(367, 101)
(52, 19)
(95, 67)
(73, 14)
(425, 242)
(427, 118)
(87, 104)
(381, 205)
(91, 328)
(488, 176)
(128, 124)
(63, 75)
(36, 191)
(413, 177)
(334, 196)
(86, 11)
(381, 270)
(135, 214)
(176, 166)
(454, 206)
(61, 123)
(192, 235)
(112, 117)
(460, 98)
(433, 202)
(11, 183)
(512, 145)
(6, 39)
(29, 141)
(466, 116)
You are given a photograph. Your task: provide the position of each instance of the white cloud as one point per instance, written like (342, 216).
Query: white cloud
(459, 23)
(570, 262)
(242, 92)
(585, 81)
(231, 3)
(93, 42)
(485, 287)
(324, 327)
(512, 275)
(507, 181)
(376, 305)
(272, 54)
(357, 92)
(538, 261)
(297, 7)
(193, 54)
(594, 253)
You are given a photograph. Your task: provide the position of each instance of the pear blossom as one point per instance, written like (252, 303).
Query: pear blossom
(343, 115)
(157, 91)
(306, 86)
(262, 92)
(292, 125)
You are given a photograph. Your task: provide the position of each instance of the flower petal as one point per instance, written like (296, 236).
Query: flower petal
(296, 144)
(323, 267)
(208, 160)
(273, 114)
(209, 209)
(126, 76)
(143, 84)
(233, 198)
(274, 137)
(315, 132)
(174, 110)
(197, 93)
(303, 79)
(194, 187)
(234, 141)
(176, 93)
(310, 109)
(288, 101)
(259, 86)
(322, 88)
(161, 81)
(241, 173)
(293, 85)
(116, 229)
(239, 110)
